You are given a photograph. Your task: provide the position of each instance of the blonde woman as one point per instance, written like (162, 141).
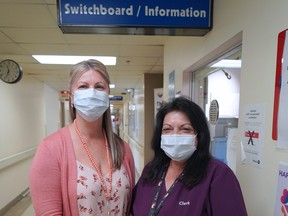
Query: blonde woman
(84, 168)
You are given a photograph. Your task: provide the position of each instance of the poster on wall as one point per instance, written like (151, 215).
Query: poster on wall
(132, 117)
(158, 99)
(281, 201)
(253, 136)
(232, 142)
(171, 85)
(280, 117)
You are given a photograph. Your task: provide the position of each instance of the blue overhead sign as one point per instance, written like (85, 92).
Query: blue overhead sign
(172, 17)
(116, 98)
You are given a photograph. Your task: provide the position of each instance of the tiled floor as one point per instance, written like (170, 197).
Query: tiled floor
(22, 208)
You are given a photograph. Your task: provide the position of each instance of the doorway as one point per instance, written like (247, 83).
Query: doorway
(216, 89)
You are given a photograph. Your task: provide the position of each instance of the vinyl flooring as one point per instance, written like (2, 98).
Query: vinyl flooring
(22, 208)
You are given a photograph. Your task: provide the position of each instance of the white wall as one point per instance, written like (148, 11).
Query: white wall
(134, 130)
(52, 110)
(22, 127)
(260, 21)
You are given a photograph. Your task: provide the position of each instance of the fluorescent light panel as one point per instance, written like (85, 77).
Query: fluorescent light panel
(71, 60)
(227, 63)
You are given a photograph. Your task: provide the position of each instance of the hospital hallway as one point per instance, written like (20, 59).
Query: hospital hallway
(228, 57)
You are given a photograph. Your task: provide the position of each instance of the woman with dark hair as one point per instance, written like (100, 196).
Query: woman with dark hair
(84, 168)
(183, 178)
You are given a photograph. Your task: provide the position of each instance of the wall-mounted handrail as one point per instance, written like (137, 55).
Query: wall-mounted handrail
(15, 158)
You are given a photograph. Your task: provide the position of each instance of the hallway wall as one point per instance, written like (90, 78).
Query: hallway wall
(141, 119)
(29, 111)
(151, 82)
(260, 22)
(22, 127)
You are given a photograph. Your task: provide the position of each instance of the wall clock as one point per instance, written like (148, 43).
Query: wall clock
(10, 71)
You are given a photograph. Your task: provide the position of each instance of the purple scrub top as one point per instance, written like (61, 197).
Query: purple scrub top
(218, 195)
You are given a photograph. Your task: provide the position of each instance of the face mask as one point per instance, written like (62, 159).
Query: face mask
(178, 146)
(90, 103)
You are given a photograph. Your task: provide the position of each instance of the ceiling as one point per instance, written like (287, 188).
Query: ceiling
(30, 27)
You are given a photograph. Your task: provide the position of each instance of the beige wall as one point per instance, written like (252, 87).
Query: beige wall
(136, 136)
(21, 128)
(29, 111)
(260, 22)
(151, 81)
(139, 138)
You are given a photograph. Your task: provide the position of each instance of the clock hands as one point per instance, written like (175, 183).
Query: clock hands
(3, 72)
(10, 71)
(7, 74)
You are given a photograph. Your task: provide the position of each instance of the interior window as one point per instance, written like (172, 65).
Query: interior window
(219, 82)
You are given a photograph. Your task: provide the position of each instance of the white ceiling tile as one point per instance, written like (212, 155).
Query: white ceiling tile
(35, 35)
(24, 15)
(142, 50)
(4, 38)
(93, 49)
(30, 27)
(47, 49)
(11, 49)
(92, 39)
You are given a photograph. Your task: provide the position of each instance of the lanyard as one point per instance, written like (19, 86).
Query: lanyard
(154, 210)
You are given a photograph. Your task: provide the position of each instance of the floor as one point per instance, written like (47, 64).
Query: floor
(22, 208)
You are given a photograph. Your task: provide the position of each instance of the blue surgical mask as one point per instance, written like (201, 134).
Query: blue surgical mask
(91, 103)
(178, 147)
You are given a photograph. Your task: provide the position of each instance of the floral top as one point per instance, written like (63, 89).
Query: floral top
(91, 197)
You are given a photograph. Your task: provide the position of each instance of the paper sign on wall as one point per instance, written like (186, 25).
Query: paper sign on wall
(281, 202)
(254, 133)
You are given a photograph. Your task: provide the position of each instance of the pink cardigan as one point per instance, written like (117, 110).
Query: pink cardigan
(53, 175)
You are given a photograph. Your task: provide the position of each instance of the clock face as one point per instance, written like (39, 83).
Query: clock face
(10, 71)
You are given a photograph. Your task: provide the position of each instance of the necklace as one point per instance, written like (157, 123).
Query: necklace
(107, 193)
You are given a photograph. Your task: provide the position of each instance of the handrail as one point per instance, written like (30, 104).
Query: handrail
(15, 158)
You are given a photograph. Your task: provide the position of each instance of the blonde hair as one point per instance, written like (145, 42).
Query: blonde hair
(115, 143)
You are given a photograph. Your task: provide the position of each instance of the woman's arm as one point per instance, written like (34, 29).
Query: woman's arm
(226, 196)
(45, 182)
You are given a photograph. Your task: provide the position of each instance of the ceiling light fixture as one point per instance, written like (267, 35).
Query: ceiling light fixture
(71, 60)
(227, 63)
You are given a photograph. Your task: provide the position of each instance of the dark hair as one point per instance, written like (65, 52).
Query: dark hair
(197, 165)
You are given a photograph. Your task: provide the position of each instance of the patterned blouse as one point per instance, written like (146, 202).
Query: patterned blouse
(91, 197)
